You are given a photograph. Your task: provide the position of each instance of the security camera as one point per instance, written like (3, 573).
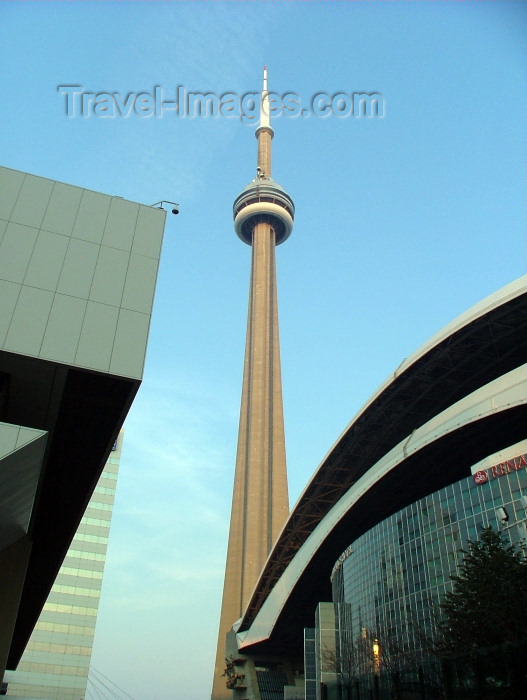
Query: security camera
(175, 205)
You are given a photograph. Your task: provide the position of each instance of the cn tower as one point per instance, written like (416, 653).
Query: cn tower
(263, 218)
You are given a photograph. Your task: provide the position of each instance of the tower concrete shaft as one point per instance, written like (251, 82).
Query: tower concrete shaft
(263, 216)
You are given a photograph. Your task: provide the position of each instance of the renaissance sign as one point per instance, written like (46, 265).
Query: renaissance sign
(507, 467)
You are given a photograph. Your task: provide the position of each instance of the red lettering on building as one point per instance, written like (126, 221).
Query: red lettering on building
(514, 465)
(497, 470)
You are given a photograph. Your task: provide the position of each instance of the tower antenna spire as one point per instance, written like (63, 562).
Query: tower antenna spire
(264, 132)
(265, 119)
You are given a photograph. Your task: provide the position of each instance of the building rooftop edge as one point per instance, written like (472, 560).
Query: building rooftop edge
(80, 187)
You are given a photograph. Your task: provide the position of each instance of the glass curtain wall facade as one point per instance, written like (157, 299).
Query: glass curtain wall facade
(388, 584)
(56, 661)
(310, 664)
(326, 652)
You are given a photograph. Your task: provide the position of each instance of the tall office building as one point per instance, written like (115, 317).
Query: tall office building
(263, 218)
(56, 661)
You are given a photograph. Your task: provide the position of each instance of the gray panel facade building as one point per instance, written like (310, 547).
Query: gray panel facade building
(77, 280)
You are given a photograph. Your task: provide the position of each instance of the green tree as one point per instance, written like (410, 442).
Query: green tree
(483, 627)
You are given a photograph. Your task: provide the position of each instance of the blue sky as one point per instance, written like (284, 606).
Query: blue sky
(402, 223)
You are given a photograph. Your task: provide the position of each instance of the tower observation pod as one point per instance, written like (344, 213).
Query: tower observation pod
(263, 218)
(263, 201)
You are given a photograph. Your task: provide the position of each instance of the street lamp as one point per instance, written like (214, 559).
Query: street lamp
(376, 655)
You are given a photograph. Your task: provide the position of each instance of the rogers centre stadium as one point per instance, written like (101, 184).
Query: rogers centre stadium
(438, 453)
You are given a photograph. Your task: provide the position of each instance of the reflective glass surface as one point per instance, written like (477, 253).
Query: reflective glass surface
(388, 587)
